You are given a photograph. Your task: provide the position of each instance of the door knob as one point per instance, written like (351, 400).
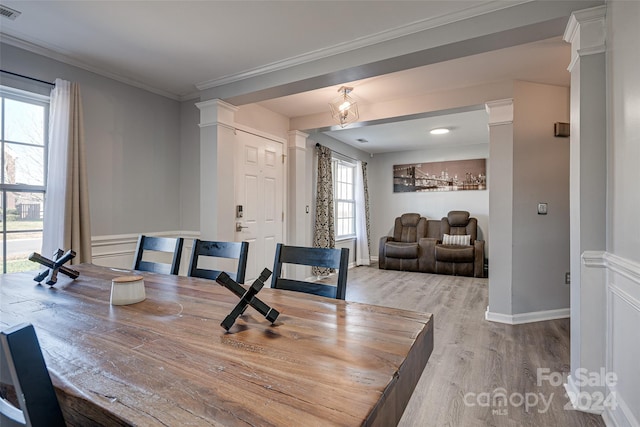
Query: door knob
(239, 226)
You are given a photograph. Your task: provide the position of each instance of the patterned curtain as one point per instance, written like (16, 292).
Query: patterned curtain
(362, 235)
(324, 234)
(366, 202)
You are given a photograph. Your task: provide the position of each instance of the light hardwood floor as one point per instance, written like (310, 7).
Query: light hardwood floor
(474, 360)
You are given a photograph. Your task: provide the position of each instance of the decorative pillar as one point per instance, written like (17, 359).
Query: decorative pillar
(297, 208)
(500, 174)
(217, 172)
(588, 188)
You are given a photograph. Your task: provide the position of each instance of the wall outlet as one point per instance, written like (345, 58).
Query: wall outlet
(567, 278)
(542, 208)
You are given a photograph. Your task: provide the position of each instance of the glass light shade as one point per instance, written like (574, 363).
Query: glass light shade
(344, 108)
(439, 131)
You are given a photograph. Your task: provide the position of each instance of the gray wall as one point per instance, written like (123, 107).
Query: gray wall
(501, 216)
(132, 144)
(540, 174)
(337, 146)
(387, 205)
(189, 166)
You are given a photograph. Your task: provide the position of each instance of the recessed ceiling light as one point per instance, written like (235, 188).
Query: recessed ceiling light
(439, 131)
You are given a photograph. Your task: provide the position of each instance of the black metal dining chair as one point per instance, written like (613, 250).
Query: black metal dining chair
(158, 244)
(24, 367)
(214, 249)
(315, 257)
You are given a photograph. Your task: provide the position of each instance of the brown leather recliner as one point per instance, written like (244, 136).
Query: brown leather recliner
(401, 251)
(461, 259)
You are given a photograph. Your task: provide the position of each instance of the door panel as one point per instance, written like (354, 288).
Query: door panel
(260, 175)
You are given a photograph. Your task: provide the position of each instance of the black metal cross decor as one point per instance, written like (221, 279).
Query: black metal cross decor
(51, 274)
(247, 297)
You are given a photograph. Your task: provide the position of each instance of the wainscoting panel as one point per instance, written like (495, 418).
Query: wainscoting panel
(623, 340)
(117, 251)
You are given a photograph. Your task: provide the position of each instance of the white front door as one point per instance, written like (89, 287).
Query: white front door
(260, 193)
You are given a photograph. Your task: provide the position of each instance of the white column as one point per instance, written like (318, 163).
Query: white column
(217, 172)
(588, 183)
(297, 206)
(297, 209)
(500, 210)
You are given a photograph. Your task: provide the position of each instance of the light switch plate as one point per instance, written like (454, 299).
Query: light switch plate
(542, 208)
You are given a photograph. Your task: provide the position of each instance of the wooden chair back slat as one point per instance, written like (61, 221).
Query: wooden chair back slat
(215, 249)
(158, 244)
(315, 257)
(22, 358)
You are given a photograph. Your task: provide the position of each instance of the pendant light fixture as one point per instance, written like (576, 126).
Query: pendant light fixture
(344, 108)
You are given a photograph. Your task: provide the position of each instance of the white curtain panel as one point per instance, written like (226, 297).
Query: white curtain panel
(54, 206)
(66, 207)
(362, 241)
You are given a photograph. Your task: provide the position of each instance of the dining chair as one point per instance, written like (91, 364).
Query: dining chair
(213, 249)
(316, 257)
(23, 365)
(158, 244)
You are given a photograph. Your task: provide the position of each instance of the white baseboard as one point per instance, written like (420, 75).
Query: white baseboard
(622, 416)
(573, 392)
(608, 420)
(534, 316)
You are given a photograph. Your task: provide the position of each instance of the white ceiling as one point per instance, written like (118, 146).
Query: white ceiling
(466, 128)
(173, 47)
(542, 62)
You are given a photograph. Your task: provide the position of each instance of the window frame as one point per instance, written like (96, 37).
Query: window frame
(340, 161)
(5, 188)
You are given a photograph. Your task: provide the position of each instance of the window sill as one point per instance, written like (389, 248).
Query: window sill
(345, 238)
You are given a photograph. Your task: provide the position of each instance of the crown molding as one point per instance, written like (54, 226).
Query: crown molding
(383, 36)
(56, 55)
(500, 111)
(217, 103)
(216, 112)
(297, 139)
(189, 96)
(586, 31)
(581, 17)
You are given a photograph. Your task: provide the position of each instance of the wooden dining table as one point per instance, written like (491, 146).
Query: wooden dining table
(166, 361)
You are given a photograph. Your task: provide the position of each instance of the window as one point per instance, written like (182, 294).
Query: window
(344, 198)
(24, 132)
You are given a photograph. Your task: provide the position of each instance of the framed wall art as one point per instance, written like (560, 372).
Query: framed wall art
(455, 175)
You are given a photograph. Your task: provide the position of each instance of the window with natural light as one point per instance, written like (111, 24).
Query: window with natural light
(344, 198)
(23, 132)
